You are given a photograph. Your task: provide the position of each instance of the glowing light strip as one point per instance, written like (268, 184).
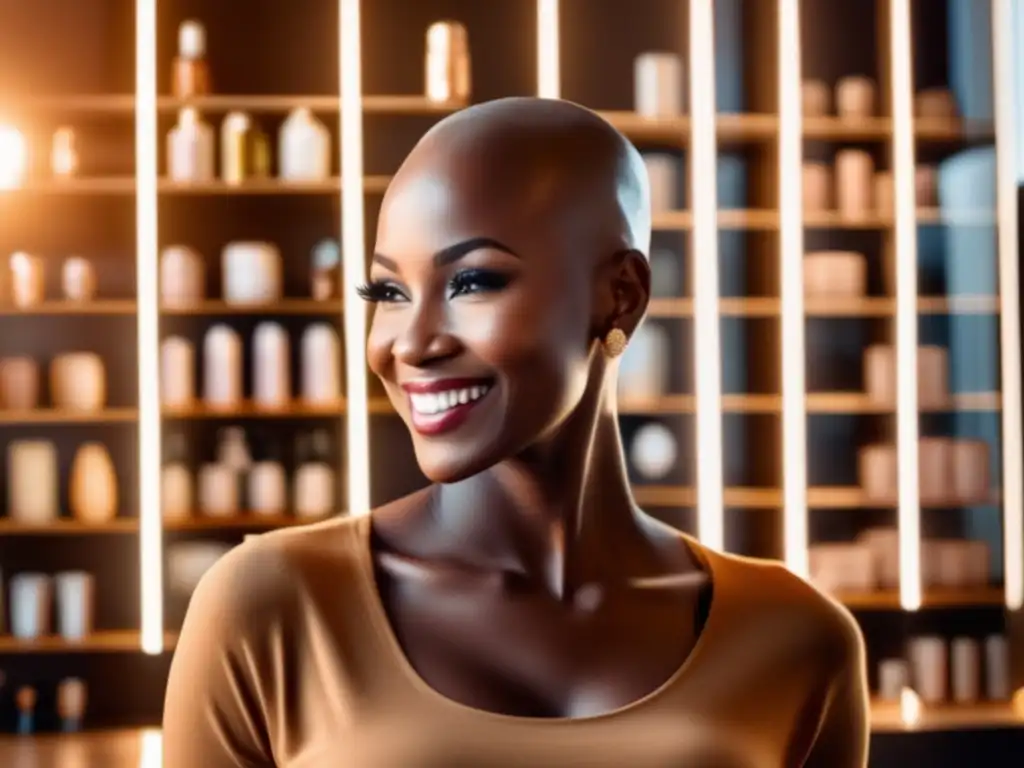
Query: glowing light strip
(353, 239)
(901, 56)
(148, 331)
(707, 346)
(1009, 321)
(548, 72)
(791, 255)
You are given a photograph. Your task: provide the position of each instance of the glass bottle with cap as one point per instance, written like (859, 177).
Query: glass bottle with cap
(191, 74)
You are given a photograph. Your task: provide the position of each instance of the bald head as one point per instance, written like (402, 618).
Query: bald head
(542, 160)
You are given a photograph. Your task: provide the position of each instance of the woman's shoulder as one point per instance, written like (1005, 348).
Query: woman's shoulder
(769, 594)
(271, 573)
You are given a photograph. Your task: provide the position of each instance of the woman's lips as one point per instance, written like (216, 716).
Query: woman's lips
(438, 407)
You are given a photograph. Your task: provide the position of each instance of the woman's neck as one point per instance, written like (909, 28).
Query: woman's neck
(553, 513)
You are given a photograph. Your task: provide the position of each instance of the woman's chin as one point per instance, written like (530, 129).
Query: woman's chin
(446, 466)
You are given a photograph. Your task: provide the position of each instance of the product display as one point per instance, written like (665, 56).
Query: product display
(304, 152)
(78, 382)
(835, 274)
(817, 186)
(855, 98)
(72, 697)
(177, 372)
(271, 366)
(658, 85)
(28, 280)
(244, 149)
(182, 277)
(78, 279)
(33, 482)
(816, 98)
(320, 364)
(222, 368)
(19, 384)
(190, 75)
(93, 496)
(315, 482)
(25, 700)
(935, 104)
(932, 375)
(448, 68)
(190, 148)
(251, 273)
(75, 595)
(325, 270)
(855, 171)
(64, 153)
(177, 492)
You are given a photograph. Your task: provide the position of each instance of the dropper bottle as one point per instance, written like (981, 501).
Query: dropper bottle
(191, 74)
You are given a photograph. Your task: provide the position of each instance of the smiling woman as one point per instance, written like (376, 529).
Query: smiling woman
(521, 611)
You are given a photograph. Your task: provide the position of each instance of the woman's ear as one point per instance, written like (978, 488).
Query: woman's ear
(631, 290)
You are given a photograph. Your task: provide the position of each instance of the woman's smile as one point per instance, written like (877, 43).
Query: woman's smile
(442, 405)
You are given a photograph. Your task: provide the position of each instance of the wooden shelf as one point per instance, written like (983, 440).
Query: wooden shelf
(887, 717)
(683, 496)
(297, 410)
(817, 402)
(866, 306)
(94, 307)
(65, 416)
(852, 497)
(125, 185)
(283, 307)
(412, 104)
(103, 641)
(242, 521)
(67, 527)
(889, 600)
(767, 219)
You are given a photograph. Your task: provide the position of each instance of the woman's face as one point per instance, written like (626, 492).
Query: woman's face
(482, 330)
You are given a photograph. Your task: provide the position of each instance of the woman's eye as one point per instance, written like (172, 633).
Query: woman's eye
(381, 292)
(478, 281)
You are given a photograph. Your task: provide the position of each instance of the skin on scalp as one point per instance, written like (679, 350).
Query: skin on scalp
(568, 194)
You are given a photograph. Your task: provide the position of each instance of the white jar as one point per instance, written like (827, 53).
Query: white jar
(182, 277)
(222, 368)
(321, 365)
(271, 366)
(251, 273)
(177, 372)
(190, 149)
(304, 152)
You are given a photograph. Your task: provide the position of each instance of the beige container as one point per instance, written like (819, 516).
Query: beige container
(969, 472)
(855, 174)
(929, 663)
(842, 567)
(659, 88)
(835, 274)
(816, 97)
(948, 563)
(93, 492)
(28, 280)
(877, 468)
(78, 382)
(855, 97)
(448, 66)
(935, 104)
(19, 384)
(932, 375)
(934, 460)
(884, 544)
(817, 182)
(33, 482)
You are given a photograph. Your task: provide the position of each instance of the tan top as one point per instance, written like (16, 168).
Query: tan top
(287, 659)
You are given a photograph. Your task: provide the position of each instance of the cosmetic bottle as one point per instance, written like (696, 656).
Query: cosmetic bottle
(855, 172)
(78, 279)
(33, 482)
(218, 490)
(31, 605)
(78, 382)
(28, 280)
(315, 483)
(855, 97)
(177, 496)
(177, 372)
(267, 492)
(93, 494)
(244, 149)
(658, 85)
(222, 368)
(25, 700)
(182, 277)
(72, 696)
(448, 69)
(191, 74)
(271, 367)
(190, 148)
(19, 384)
(305, 148)
(64, 153)
(325, 271)
(234, 454)
(321, 365)
(75, 599)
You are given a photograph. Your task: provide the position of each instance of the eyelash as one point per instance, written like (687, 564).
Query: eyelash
(467, 281)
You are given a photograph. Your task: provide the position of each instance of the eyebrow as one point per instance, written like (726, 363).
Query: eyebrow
(452, 253)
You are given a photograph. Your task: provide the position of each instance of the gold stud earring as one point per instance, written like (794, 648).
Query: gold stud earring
(615, 342)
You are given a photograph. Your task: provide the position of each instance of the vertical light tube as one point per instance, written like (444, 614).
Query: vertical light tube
(353, 238)
(791, 254)
(909, 515)
(1009, 302)
(548, 71)
(148, 331)
(707, 346)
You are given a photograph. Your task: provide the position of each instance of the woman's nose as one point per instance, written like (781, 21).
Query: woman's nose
(425, 338)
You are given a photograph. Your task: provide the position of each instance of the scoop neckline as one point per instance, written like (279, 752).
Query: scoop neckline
(382, 623)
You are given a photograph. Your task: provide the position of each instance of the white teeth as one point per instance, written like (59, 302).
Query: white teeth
(432, 403)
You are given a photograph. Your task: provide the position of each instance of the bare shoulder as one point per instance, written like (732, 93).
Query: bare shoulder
(772, 597)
